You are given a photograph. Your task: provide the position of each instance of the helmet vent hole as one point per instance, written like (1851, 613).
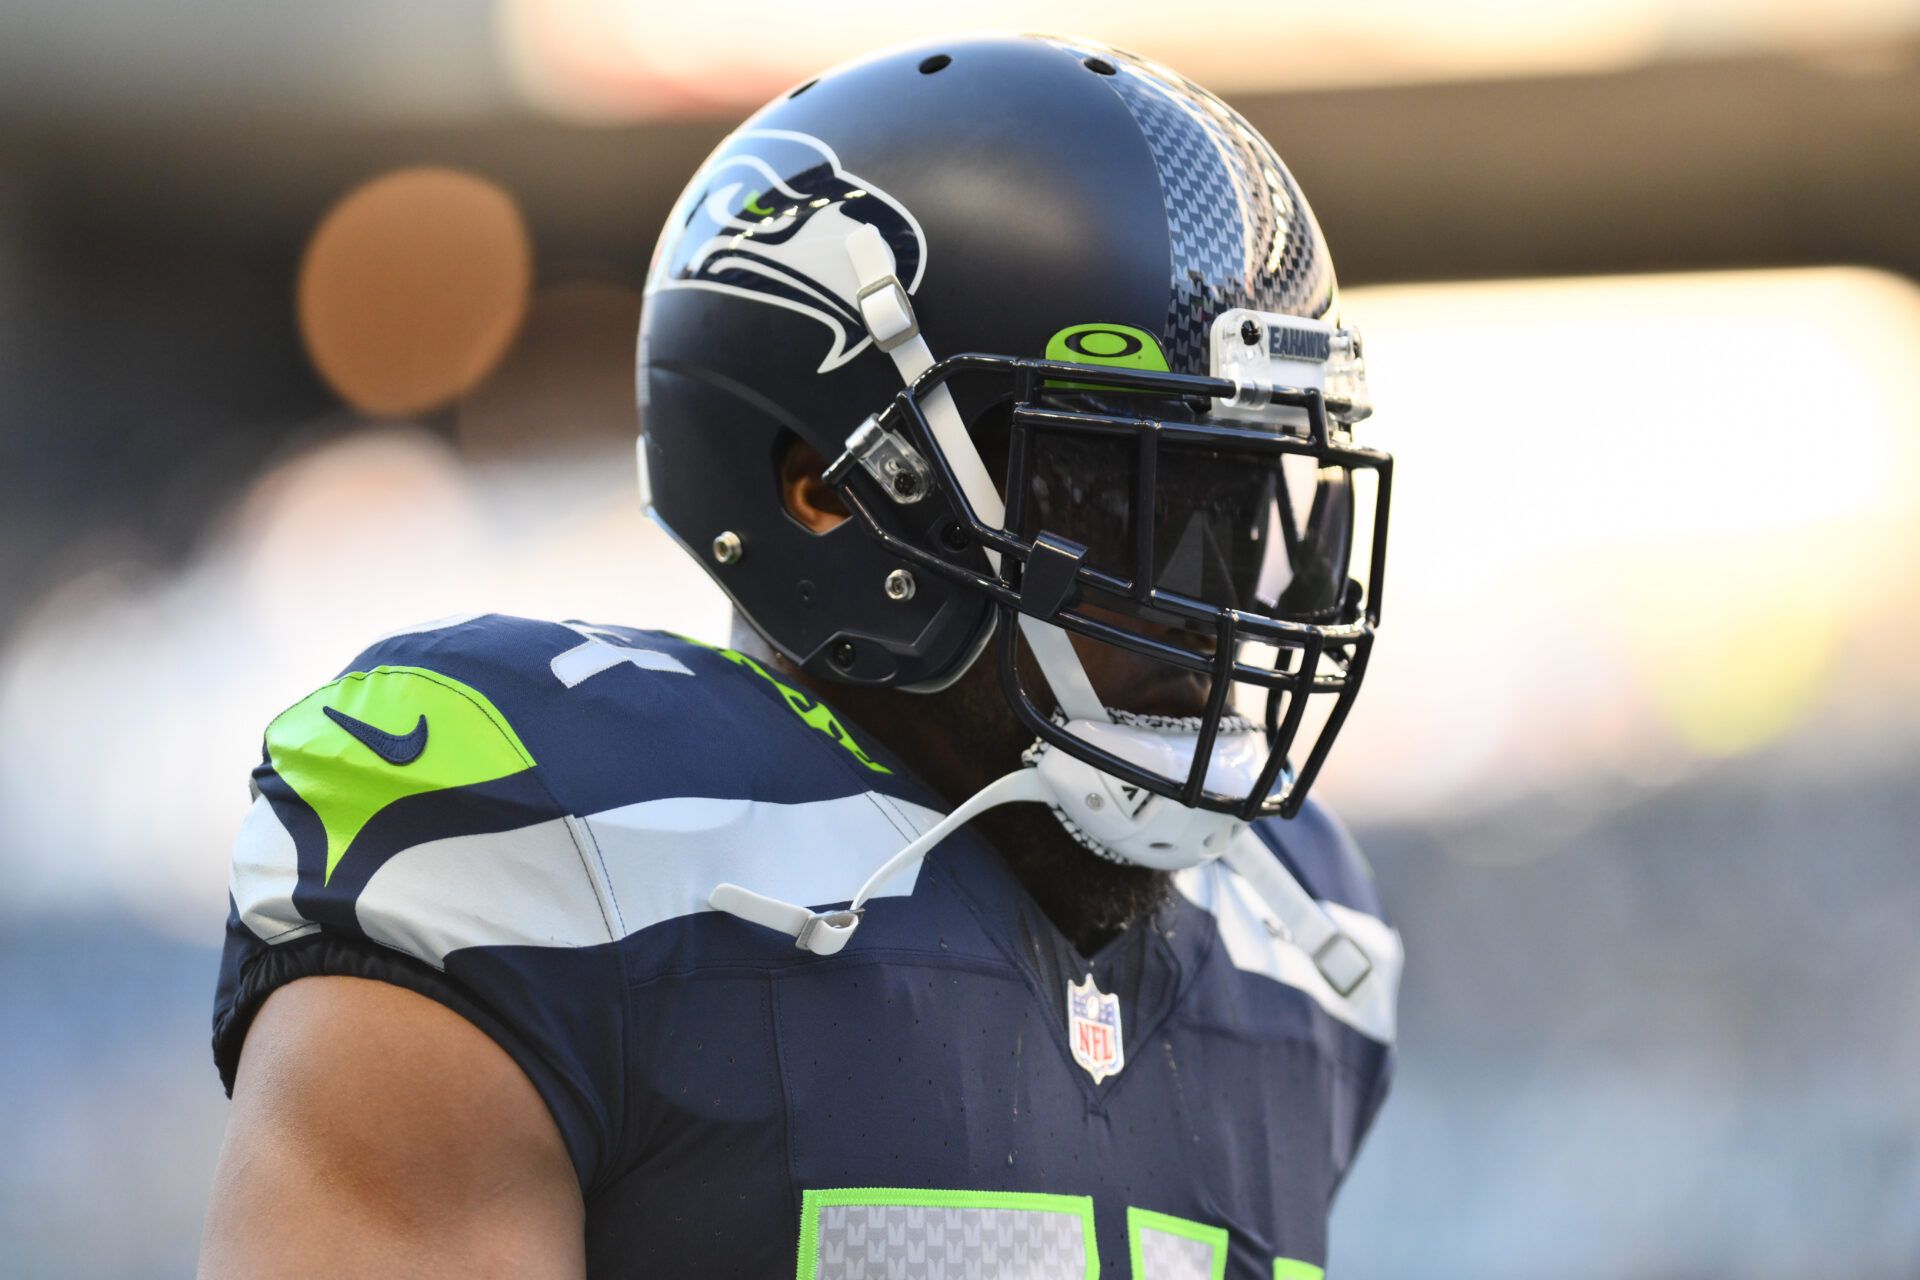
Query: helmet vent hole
(1100, 66)
(938, 62)
(803, 88)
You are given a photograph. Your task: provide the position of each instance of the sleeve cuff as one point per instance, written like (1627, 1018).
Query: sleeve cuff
(326, 954)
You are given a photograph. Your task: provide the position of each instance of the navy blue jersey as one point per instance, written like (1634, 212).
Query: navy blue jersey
(523, 820)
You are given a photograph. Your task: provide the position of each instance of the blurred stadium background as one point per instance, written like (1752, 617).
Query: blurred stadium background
(316, 320)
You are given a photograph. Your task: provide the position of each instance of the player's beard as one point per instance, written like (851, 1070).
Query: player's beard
(1087, 897)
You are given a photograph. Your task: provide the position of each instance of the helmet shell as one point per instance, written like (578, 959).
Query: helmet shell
(1027, 186)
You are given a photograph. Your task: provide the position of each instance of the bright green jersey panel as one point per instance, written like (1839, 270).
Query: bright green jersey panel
(394, 732)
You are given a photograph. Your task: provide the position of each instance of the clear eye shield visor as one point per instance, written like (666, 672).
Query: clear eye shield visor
(1270, 535)
(1225, 528)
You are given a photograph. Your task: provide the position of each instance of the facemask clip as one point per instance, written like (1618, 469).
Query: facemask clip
(894, 464)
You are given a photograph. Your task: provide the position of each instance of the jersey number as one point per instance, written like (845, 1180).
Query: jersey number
(877, 1233)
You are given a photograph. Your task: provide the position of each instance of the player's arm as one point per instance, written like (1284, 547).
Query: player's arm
(375, 1132)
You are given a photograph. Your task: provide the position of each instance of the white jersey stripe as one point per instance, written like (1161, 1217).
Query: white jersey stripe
(522, 888)
(573, 882)
(262, 875)
(664, 857)
(644, 864)
(1255, 944)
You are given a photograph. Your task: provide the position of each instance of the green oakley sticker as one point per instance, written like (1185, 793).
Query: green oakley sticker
(1120, 346)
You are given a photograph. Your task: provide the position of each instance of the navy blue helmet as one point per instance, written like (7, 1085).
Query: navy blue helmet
(1071, 336)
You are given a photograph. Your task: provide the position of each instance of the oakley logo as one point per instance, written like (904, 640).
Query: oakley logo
(1112, 344)
(767, 220)
(1101, 344)
(392, 747)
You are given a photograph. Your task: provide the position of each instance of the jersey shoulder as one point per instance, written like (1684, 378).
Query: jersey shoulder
(491, 780)
(608, 714)
(1324, 857)
(1317, 850)
(498, 811)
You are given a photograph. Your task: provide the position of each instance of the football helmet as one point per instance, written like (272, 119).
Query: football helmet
(1071, 336)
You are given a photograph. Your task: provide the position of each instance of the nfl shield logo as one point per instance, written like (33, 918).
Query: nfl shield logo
(1093, 1030)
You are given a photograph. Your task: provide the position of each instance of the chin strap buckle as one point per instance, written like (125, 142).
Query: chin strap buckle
(824, 935)
(888, 313)
(1342, 963)
(882, 300)
(1303, 920)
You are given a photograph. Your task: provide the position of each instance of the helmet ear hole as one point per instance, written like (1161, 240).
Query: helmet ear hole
(938, 62)
(809, 500)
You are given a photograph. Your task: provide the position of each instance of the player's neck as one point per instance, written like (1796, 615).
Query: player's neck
(956, 742)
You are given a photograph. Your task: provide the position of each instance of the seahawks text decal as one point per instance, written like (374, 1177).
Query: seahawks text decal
(767, 219)
(815, 713)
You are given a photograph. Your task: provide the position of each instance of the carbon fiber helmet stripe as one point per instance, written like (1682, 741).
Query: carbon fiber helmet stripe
(1241, 233)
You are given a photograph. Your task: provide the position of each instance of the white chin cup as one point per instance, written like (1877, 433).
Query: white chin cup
(1134, 824)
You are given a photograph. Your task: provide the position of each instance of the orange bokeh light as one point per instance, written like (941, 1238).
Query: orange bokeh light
(412, 288)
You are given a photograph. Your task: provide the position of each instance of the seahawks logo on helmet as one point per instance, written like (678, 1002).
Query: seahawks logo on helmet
(767, 219)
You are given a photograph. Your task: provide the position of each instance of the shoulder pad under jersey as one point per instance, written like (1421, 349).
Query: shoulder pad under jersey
(481, 746)
(484, 809)
(1316, 848)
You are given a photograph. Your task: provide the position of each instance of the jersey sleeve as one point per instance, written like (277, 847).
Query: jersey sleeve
(402, 830)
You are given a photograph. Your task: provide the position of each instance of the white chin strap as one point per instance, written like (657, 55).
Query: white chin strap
(1124, 822)
(825, 934)
(1149, 829)
(888, 312)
